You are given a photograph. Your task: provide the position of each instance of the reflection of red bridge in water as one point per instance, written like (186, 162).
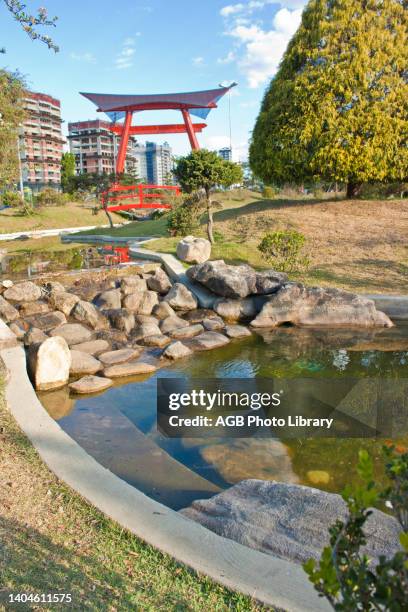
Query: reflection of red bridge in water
(122, 107)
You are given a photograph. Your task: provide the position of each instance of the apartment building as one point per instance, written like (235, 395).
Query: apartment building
(95, 148)
(159, 162)
(41, 142)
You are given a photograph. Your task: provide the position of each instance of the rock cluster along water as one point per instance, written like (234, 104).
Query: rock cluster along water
(131, 326)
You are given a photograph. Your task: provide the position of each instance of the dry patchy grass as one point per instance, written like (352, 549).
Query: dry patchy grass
(353, 244)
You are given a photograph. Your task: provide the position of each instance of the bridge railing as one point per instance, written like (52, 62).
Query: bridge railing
(128, 197)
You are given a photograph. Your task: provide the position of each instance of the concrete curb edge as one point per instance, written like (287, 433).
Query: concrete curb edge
(274, 581)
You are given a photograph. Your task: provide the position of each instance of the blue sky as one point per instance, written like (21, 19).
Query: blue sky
(157, 46)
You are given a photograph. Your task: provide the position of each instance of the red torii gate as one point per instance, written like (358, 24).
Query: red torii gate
(119, 107)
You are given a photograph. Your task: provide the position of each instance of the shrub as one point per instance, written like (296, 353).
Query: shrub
(344, 575)
(12, 199)
(269, 192)
(51, 197)
(185, 215)
(283, 249)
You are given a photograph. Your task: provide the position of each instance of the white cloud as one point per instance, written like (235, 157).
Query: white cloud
(253, 5)
(263, 48)
(124, 58)
(230, 57)
(198, 61)
(83, 57)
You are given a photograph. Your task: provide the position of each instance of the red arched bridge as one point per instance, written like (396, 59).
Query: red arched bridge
(120, 108)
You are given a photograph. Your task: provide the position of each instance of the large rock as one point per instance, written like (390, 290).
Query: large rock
(187, 332)
(120, 356)
(163, 310)
(235, 281)
(213, 324)
(171, 323)
(83, 363)
(319, 306)
(92, 347)
(145, 330)
(49, 363)
(28, 309)
(141, 302)
(23, 292)
(159, 281)
(237, 331)
(7, 338)
(181, 298)
(115, 337)
(48, 321)
(130, 368)
(122, 319)
(85, 312)
(34, 336)
(209, 340)
(50, 288)
(133, 284)
(198, 316)
(176, 350)
(157, 340)
(90, 384)
(73, 333)
(7, 311)
(19, 328)
(194, 250)
(239, 310)
(64, 301)
(287, 520)
(109, 299)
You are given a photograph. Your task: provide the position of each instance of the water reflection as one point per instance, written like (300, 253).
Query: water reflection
(284, 353)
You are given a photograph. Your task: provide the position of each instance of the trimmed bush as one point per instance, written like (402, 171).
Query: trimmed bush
(283, 249)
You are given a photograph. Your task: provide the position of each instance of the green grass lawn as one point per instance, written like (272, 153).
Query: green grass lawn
(73, 214)
(52, 540)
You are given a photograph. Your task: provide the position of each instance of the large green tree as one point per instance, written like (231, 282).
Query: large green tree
(205, 170)
(337, 108)
(11, 116)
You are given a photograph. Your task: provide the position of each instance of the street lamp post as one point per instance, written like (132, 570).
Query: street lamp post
(230, 85)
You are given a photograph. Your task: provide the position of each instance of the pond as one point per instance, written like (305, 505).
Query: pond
(119, 427)
(34, 263)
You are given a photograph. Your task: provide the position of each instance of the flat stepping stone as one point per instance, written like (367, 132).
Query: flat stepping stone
(187, 332)
(93, 347)
(237, 331)
(171, 323)
(90, 384)
(213, 324)
(119, 356)
(209, 340)
(157, 340)
(177, 350)
(83, 363)
(130, 368)
(73, 333)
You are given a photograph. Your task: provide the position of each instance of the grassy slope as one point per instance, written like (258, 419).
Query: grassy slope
(54, 541)
(356, 245)
(73, 214)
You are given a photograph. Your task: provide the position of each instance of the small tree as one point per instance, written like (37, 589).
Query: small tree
(67, 170)
(205, 170)
(11, 115)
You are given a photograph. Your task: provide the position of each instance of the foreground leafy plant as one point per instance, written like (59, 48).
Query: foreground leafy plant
(345, 576)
